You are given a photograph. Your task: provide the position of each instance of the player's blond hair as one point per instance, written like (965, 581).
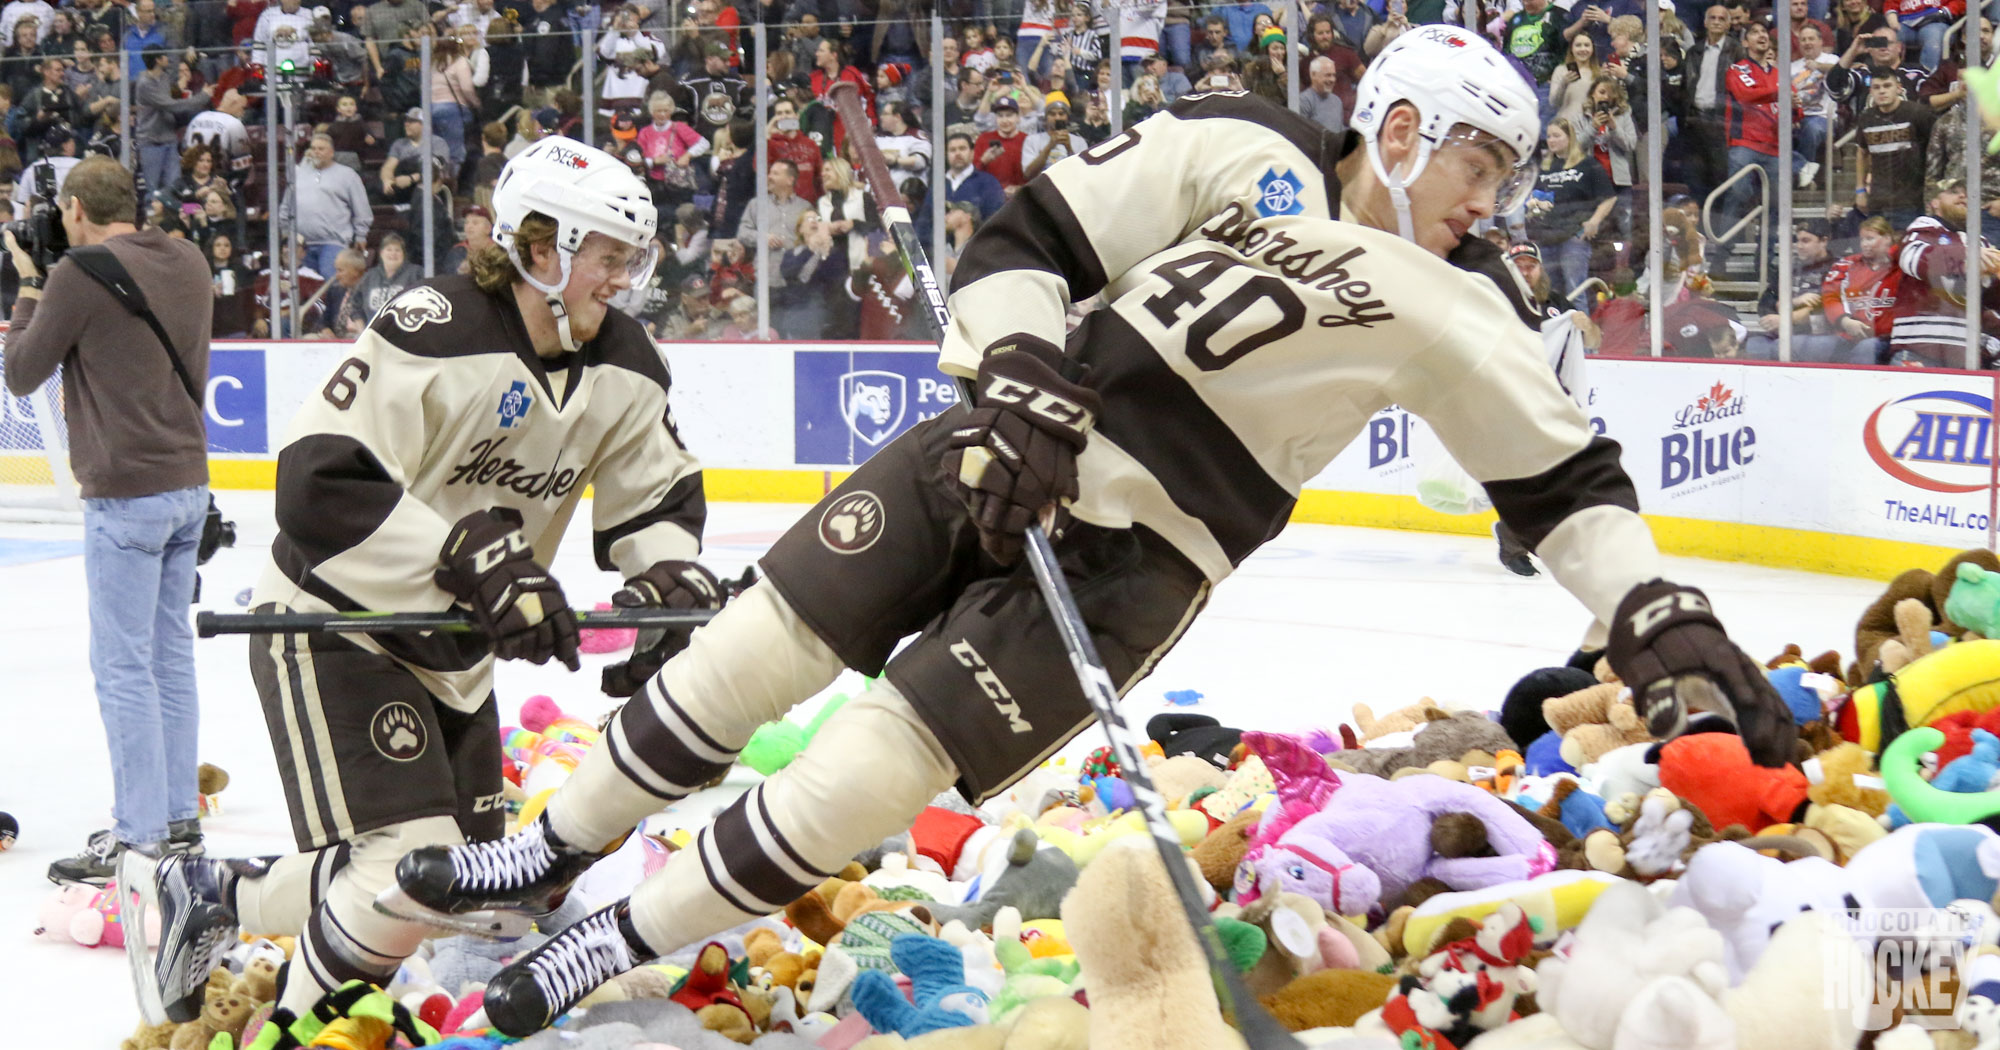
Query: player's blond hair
(493, 271)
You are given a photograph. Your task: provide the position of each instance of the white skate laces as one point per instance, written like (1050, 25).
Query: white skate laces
(508, 864)
(593, 952)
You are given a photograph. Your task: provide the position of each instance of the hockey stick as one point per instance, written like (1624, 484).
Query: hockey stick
(210, 624)
(1259, 1029)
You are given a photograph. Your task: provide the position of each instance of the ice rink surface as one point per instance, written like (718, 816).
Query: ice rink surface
(1322, 618)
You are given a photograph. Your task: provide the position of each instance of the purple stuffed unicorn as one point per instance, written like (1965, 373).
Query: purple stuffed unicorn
(1351, 843)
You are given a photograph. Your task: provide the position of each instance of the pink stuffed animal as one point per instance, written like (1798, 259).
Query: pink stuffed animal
(605, 639)
(88, 916)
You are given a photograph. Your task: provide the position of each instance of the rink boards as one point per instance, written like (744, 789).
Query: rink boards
(1855, 471)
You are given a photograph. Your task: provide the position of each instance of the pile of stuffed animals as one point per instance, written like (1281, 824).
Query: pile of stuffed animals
(1542, 877)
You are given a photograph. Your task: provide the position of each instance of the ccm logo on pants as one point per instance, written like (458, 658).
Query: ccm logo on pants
(989, 682)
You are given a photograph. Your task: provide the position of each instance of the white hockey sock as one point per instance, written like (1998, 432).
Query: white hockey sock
(346, 938)
(867, 774)
(748, 666)
(278, 903)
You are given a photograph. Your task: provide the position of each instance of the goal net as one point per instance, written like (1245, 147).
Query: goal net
(35, 479)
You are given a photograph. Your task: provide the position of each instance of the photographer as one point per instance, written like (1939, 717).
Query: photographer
(1044, 148)
(139, 451)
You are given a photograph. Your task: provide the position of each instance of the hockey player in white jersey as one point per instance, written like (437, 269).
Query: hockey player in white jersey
(438, 467)
(1248, 339)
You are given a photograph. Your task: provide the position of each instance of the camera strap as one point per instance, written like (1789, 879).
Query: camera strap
(104, 267)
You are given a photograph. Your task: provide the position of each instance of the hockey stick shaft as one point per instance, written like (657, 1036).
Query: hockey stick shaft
(1260, 1030)
(210, 624)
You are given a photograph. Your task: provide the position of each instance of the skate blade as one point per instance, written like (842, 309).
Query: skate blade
(137, 893)
(492, 925)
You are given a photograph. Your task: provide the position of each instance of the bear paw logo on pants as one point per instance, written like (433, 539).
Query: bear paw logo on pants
(397, 731)
(852, 524)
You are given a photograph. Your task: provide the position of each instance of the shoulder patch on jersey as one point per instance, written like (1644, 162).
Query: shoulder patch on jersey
(1323, 146)
(418, 307)
(1278, 193)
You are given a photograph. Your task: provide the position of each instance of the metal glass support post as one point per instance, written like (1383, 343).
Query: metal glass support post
(1656, 225)
(429, 157)
(1782, 237)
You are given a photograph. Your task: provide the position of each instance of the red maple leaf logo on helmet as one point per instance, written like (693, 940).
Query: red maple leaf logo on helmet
(578, 162)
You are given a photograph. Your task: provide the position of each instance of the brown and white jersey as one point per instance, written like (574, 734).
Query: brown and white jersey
(444, 409)
(1233, 368)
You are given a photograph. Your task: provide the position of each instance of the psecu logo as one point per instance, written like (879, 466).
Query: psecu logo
(1937, 440)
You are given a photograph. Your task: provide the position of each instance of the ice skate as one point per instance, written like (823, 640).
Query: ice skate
(197, 926)
(488, 889)
(541, 986)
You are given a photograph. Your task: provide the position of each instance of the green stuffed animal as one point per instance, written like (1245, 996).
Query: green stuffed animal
(773, 746)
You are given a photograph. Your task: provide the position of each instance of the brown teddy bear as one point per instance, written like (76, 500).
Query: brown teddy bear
(1594, 722)
(1399, 721)
(826, 909)
(766, 951)
(224, 1013)
(1447, 739)
(1878, 623)
(1222, 850)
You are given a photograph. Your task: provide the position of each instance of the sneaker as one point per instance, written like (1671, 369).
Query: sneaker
(184, 836)
(488, 889)
(95, 864)
(1513, 556)
(532, 992)
(197, 927)
(1806, 173)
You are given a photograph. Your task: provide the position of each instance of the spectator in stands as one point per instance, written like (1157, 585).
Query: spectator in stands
(814, 274)
(904, 149)
(383, 282)
(961, 220)
(1945, 158)
(403, 172)
(59, 150)
(21, 66)
(1319, 102)
(1894, 134)
(968, 105)
(216, 214)
(830, 65)
(546, 45)
(327, 206)
(348, 131)
(388, 21)
(1143, 99)
(774, 217)
(716, 94)
(348, 269)
(1266, 74)
(689, 320)
(49, 105)
(686, 246)
(198, 175)
(1704, 328)
(998, 152)
(62, 35)
(967, 184)
(1078, 46)
(1859, 292)
(1173, 83)
(1814, 340)
(1352, 20)
(883, 290)
(203, 26)
(1610, 134)
(159, 106)
(234, 296)
(1214, 42)
(1570, 84)
(1573, 197)
(455, 88)
(735, 177)
(670, 148)
(626, 47)
(146, 34)
(1817, 110)
(1534, 34)
(1241, 18)
(1704, 134)
(16, 11)
(1920, 25)
(221, 130)
(1047, 146)
(478, 236)
(288, 29)
(1929, 325)
(1753, 118)
(1854, 21)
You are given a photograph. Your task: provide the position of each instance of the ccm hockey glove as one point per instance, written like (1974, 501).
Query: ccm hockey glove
(487, 564)
(1667, 645)
(1015, 453)
(664, 585)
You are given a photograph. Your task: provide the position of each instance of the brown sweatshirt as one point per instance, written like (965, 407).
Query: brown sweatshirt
(133, 431)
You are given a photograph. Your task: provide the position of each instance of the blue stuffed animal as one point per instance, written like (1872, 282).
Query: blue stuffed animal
(1968, 774)
(937, 976)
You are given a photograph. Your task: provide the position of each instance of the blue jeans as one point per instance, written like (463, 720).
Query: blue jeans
(319, 258)
(1928, 39)
(1744, 195)
(160, 164)
(1810, 142)
(1568, 265)
(138, 564)
(448, 121)
(1176, 39)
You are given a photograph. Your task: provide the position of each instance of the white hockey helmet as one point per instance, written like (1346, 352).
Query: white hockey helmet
(585, 190)
(1456, 80)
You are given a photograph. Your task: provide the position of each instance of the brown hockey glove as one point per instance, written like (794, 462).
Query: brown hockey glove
(1015, 452)
(1667, 645)
(488, 565)
(664, 585)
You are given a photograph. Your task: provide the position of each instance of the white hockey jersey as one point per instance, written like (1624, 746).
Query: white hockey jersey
(444, 409)
(1249, 337)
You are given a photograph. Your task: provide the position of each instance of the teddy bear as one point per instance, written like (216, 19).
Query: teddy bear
(1218, 854)
(1878, 623)
(826, 909)
(1147, 978)
(1594, 722)
(1445, 739)
(1402, 720)
(224, 1013)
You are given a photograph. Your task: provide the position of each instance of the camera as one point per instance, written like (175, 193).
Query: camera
(1005, 76)
(41, 234)
(1058, 123)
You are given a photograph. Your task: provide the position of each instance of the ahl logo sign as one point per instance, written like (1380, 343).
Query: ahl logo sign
(1936, 440)
(1706, 445)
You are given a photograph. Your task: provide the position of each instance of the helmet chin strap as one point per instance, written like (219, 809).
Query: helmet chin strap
(552, 293)
(1399, 194)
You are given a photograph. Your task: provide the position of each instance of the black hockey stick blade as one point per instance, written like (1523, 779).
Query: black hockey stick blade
(210, 624)
(1259, 1029)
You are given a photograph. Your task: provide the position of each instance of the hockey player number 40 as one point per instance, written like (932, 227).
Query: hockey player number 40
(1187, 281)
